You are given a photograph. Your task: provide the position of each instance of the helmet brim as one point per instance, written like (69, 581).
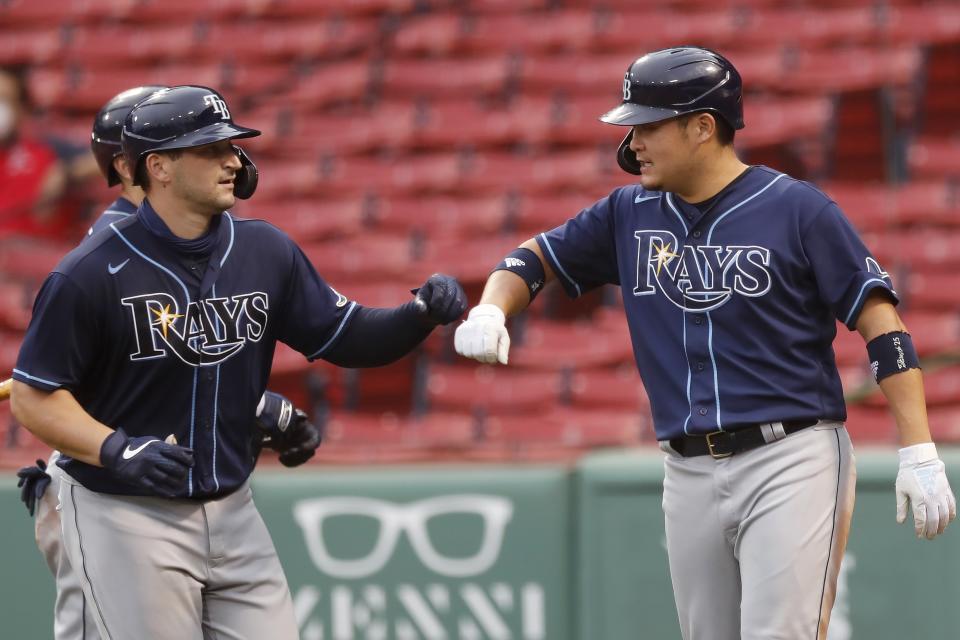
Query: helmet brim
(629, 114)
(210, 134)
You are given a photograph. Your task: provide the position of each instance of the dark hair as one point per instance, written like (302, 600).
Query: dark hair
(19, 74)
(142, 176)
(725, 132)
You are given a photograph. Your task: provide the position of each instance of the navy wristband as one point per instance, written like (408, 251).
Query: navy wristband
(526, 264)
(892, 353)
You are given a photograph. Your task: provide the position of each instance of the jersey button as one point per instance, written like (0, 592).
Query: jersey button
(698, 320)
(696, 234)
(699, 366)
(702, 412)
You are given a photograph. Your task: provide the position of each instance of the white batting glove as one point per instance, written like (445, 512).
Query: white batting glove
(483, 335)
(922, 481)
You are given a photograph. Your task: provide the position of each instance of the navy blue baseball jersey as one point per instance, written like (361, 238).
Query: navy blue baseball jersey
(731, 310)
(118, 210)
(158, 335)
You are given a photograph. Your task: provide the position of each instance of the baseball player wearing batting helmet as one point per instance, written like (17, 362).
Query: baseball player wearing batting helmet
(733, 277)
(148, 351)
(280, 426)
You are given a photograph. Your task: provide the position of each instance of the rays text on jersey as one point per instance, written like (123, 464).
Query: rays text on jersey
(208, 332)
(698, 277)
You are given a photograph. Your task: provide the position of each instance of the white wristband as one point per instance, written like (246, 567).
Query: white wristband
(918, 453)
(488, 311)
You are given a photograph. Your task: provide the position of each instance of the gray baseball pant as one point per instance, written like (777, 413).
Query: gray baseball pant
(71, 621)
(755, 540)
(176, 569)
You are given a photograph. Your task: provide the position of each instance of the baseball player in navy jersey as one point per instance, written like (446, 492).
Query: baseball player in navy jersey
(733, 277)
(280, 425)
(149, 349)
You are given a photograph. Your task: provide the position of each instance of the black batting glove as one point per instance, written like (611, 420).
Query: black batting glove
(300, 441)
(33, 483)
(441, 299)
(147, 462)
(287, 430)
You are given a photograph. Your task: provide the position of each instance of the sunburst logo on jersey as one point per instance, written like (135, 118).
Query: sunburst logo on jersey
(663, 255)
(165, 318)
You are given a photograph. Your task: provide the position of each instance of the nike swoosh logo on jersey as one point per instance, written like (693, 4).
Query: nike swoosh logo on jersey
(129, 453)
(640, 199)
(114, 269)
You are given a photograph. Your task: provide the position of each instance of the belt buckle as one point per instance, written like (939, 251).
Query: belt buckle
(710, 446)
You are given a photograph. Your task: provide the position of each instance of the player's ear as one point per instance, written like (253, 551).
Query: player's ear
(705, 125)
(122, 168)
(158, 166)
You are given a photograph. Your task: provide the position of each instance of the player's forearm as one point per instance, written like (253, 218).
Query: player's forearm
(508, 290)
(58, 420)
(904, 390)
(904, 393)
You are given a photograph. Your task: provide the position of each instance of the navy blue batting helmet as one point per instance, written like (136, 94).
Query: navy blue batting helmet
(183, 117)
(672, 82)
(105, 137)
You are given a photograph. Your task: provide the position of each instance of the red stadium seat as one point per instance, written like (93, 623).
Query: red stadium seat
(441, 216)
(606, 389)
(29, 45)
(474, 77)
(310, 38)
(474, 388)
(308, 8)
(554, 345)
(370, 258)
(870, 424)
(569, 428)
(309, 220)
(934, 157)
(146, 45)
(341, 82)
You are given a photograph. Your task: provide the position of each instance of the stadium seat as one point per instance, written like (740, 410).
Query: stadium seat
(30, 45)
(310, 220)
(370, 258)
(605, 389)
(339, 82)
(97, 45)
(463, 77)
(309, 38)
(568, 428)
(488, 390)
(545, 345)
(934, 157)
(441, 217)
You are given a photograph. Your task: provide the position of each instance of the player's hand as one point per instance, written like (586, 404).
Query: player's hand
(287, 430)
(483, 336)
(147, 462)
(922, 482)
(441, 299)
(33, 483)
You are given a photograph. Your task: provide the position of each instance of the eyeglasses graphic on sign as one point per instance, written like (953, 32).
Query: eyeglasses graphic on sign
(411, 518)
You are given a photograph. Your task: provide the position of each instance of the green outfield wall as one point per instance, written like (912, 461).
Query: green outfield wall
(532, 552)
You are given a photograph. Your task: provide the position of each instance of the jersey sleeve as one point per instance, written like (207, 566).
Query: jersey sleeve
(582, 251)
(313, 314)
(844, 269)
(61, 342)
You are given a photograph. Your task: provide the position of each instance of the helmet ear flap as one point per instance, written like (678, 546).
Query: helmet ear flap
(626, 158)
(245, 182)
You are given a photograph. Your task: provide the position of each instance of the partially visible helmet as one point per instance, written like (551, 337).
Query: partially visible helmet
(183, 117)
(671, 82)
(105, 137)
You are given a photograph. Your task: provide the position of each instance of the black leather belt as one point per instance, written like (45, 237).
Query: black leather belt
(723, 444)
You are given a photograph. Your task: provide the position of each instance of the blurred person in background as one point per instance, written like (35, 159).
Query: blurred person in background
(33, 179)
